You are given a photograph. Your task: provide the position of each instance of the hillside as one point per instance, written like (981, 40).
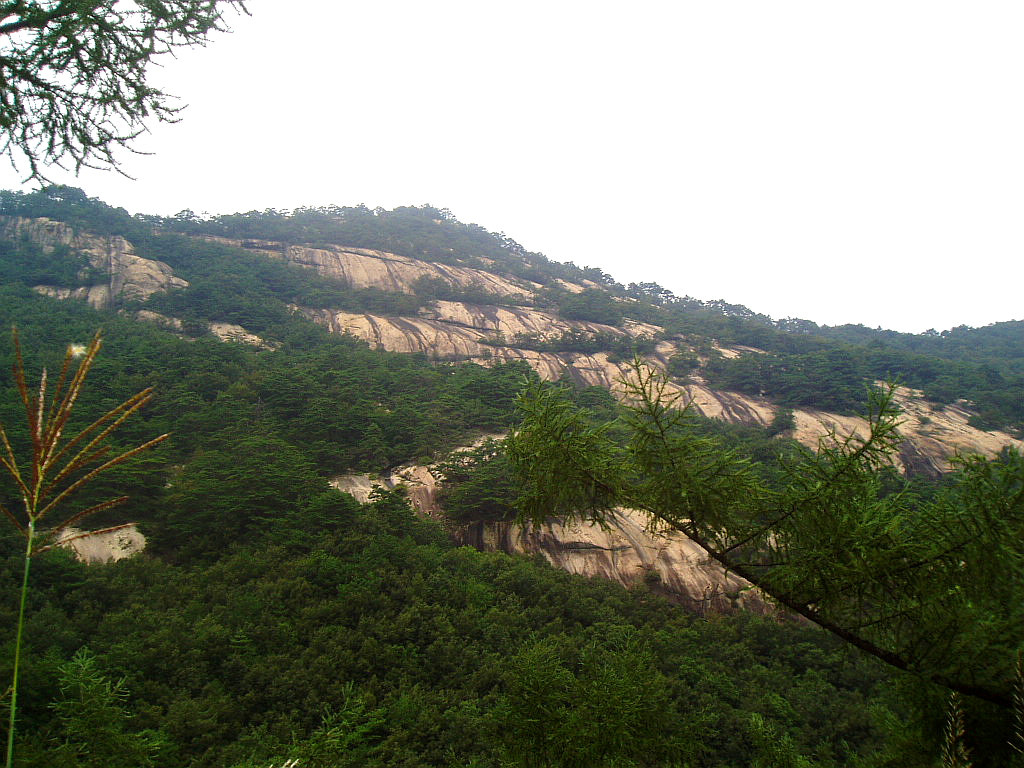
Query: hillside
(523, 321)
(297, 354)
(511, 318)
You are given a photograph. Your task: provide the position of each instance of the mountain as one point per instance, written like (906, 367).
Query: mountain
(518, 326)
(517, 314)
(296, 354)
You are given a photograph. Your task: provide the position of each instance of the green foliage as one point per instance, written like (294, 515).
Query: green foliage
(276, 619)
(73, 206)
(95, 725)
(682, 364)
(591, 305)
(251, 487)
(75, 76)
(28, 263)
(268, 598)
(603, 704)
(47, 477)
(345, 405)
(830, 380)
(424, 654)
(478, 485)
(437, 289)
(925, 585)
(806, 365)
(425, 233)
(772, 749)
(782, 421)
(232, 285)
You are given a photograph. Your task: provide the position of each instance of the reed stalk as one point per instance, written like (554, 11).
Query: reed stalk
(57, 468)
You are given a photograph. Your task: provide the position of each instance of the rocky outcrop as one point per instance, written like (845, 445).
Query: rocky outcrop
(115, 273)
(419, 482)
(223, 331)
(103, 546)
(626, 550)
(163, 321)
(458, 331)
(449, 330)
(366, 268)
(236, 333)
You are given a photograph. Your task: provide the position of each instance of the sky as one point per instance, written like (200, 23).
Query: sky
(840, 162)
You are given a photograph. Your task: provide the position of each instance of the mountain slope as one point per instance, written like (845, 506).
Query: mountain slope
(528, 322)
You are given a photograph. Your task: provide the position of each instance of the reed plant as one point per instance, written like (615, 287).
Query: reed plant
(57, 466)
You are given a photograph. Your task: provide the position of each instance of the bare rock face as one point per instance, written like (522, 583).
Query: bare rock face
(163, 321)
(223, 331)
(420, 483)
(449, 330)
(105, 546)
(236, 333)
(458, 331)
(629, 553)
(124, 275)
(366, 268)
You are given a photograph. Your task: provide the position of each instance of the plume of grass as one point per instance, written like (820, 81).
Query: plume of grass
(954, 750)
(58, 467)
(1017, 739)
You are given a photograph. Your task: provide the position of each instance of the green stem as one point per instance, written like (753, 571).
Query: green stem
(17, 643)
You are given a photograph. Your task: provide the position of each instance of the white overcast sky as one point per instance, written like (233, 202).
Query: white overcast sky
(837, 161)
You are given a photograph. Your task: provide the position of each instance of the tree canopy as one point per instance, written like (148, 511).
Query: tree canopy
(74, 79)
(928, 585)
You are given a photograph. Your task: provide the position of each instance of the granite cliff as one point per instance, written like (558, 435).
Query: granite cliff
(626, 550)
(451, 330)
(116, 272)
(455, 330)
(367, 268)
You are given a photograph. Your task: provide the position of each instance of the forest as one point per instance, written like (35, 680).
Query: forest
(273, 618)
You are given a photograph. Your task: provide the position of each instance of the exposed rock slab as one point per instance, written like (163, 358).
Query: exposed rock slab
(163, 321)
(457, 331)
(934, 435)
(223, 331)
(126, 275)
(512, 321)
(103, 546)
(367, 268)
(627, 552)
(419, 482)
(236, 333)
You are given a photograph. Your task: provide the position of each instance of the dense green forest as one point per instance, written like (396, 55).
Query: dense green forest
(806, 365)
(272, 617)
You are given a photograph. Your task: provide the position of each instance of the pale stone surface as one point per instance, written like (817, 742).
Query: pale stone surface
(232, 332)
(126, 276)
(933, 435)
(366, 268)
(419, 482)
(164, 321)
(223, 331)
(358, 486)
(455, 331)
(104, 546)
(510, 321)
(626, 551)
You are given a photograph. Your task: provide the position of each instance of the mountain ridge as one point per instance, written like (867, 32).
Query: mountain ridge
(454, 330)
